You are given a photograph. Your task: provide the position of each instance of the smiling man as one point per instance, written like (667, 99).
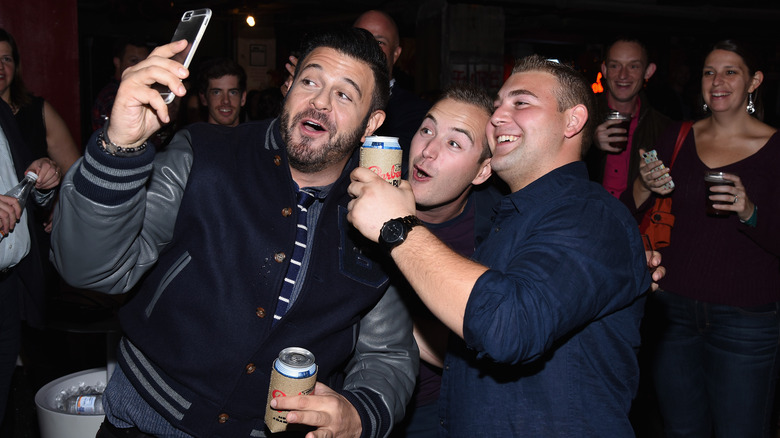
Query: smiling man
(626, 69)
(238, 252)
(549, 305)
(222, 90)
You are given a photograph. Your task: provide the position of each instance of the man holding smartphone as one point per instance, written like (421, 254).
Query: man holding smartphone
(206, 235)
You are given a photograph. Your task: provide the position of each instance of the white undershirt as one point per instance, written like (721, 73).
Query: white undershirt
(16, 244)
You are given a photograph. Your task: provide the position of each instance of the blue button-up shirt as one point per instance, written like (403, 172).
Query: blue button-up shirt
(552, 328)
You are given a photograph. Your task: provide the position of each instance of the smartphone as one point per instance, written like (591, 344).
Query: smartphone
(651, 157)
(191, 27)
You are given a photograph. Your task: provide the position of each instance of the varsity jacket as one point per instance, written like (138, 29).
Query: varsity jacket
(210, 225)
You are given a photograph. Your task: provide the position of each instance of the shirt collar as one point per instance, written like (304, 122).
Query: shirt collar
(550, 184)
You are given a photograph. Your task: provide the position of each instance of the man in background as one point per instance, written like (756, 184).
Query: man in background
(625, 70)
(404, 110)
(222, 90)
(127, 52)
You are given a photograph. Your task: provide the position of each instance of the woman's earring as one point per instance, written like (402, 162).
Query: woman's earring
(705, 107)
(750, 107)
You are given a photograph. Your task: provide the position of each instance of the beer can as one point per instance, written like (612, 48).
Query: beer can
(384, 156)
(294, 372)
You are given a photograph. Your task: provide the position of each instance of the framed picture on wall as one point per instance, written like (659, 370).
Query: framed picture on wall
(257, 55)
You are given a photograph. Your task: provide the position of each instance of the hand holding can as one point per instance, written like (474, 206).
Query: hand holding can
(383, 155)
(294, 373)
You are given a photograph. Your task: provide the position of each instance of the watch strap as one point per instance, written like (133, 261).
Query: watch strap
(408, 222)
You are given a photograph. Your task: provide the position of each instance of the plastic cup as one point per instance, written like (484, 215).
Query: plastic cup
(625, 123)
(712, 179)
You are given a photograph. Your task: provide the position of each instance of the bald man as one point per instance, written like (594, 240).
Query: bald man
(405, 110)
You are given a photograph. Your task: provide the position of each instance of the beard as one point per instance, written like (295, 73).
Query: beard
(305, 158)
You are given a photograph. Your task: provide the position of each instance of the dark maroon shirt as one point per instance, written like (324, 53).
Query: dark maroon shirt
(458, 233)
(719, 259)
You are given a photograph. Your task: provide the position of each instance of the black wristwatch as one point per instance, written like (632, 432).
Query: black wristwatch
(394, 231)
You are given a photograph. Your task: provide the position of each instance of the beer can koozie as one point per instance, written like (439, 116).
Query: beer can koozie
(294, 373)
(383, 155)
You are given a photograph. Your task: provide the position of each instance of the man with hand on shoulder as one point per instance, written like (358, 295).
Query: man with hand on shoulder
(548, 307)
(223, 289)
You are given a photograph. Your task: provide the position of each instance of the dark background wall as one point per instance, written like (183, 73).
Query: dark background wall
(46, 32)
(66, 44)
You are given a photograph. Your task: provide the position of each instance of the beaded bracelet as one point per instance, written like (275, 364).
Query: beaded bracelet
(111, 148)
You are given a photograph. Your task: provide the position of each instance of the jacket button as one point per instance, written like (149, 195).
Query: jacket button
(277, 160)
(287, 212)
(260, 312)
(223, 418)
(250, 368)
(279, 257)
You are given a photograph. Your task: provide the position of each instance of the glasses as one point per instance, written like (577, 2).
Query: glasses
(6, 60)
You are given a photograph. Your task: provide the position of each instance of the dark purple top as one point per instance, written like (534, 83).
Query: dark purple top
(719, 259)
(458, 233)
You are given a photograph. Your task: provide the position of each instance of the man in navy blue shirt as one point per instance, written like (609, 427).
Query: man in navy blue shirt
(549, 308)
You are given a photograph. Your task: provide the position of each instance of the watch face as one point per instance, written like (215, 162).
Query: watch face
(393, 231)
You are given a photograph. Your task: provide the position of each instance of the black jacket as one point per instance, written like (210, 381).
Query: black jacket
(208, 228)
(650, 125)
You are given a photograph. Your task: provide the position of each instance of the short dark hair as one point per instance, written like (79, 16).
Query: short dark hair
(360, 45)
(19, 96)
(215, 68)
(120, 46)
(572, 88)
(633, 40)
(472, 95)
